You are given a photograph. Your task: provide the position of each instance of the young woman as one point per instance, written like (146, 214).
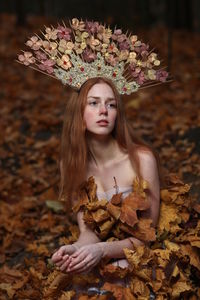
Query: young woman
(97, 141)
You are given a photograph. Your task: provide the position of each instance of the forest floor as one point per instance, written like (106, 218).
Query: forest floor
(31, 107)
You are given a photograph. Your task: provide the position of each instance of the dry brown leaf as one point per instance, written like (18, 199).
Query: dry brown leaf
(180, 287)
(119, 292)
(114, 210)
(67, 295)
(100, 215)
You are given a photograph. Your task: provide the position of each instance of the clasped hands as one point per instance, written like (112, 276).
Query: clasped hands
(72, 259)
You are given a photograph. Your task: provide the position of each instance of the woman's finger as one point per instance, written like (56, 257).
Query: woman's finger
(86, 268)
(79, 265)
(77, 260)
(65, 264)
(56, 258)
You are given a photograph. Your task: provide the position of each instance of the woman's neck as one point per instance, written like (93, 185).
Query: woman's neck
(103, 149)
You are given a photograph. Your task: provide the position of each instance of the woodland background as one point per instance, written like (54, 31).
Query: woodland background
(31, 115)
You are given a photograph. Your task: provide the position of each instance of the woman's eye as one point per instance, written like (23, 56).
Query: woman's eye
(112, 105)
(92, 103)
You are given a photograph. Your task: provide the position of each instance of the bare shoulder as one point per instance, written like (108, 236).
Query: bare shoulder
(146, 157)
(149, 167)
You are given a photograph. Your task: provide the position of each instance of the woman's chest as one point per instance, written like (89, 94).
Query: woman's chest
(112, 177)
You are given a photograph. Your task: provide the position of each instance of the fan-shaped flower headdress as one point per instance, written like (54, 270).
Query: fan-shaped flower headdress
(83, 50)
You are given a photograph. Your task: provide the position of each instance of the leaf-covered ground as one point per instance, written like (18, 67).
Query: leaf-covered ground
(33, 224)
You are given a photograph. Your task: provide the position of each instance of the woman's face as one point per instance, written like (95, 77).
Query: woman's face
(101, 109)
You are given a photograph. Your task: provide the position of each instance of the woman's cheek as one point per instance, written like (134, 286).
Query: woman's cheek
(89, 118)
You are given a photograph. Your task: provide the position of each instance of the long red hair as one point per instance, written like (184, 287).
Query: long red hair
(74, 152)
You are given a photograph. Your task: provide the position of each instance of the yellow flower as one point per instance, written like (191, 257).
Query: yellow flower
(78, 25)
(49, 46)
(62, 45)
(152, 57)
(79, 47)
(64, 62)
(104, 48)
(156, 62)
(81, 37)
(133, 39)
(123, 55)
(93, 43)
(51, 34)
(152, 74)
(104, 34)
(132, 57)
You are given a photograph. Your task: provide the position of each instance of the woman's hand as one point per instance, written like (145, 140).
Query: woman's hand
(61, 258)
(85, 258)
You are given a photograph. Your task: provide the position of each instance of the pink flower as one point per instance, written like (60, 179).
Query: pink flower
(141, 78)
(40, 55)
(111, 59)
(92, 27)
(64, 33)
(124, 45)
(161, 75)
(117, 33)
(27, 58)
(34, 43)
(88, 55)
(47, 66)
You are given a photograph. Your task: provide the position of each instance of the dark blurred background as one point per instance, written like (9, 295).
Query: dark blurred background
(127, 13)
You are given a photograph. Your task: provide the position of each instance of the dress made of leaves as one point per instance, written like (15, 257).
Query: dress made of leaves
(168, 263)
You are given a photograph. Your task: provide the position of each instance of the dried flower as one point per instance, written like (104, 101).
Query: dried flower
(87, 49)
(123, 55)
(92, 42)
(64, 62)
(151, 74)
(112, 48)
(49, 46)
(111, 59)
(64, 33)
(92, 27)
(47, 66)
(34, 43)
(161, 75)
(78, 25)
(40, 55)
(80, 47)
(26, 58)
(104, 34)
(51, 34)
(88, 55)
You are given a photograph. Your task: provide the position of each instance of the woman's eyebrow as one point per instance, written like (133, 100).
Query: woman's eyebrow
(98, 98)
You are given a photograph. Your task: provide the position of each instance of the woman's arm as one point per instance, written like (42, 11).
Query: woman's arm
(87, 236)
(149, 172)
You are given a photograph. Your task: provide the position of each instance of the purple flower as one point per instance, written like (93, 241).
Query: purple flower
(161, 75)
(116, 34)
(88, 55)
(124, 45)
(141, 78)
(47, 66)
(40, 55)
(92, 27)
(144, 54)
(64, 33)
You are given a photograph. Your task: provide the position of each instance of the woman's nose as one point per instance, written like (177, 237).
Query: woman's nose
(103, 109)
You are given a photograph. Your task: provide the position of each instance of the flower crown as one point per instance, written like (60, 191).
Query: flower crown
(83, 50)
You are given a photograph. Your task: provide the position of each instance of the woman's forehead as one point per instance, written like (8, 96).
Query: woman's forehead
(101, 90)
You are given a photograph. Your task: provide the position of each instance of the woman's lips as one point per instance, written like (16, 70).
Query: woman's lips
(102, 123)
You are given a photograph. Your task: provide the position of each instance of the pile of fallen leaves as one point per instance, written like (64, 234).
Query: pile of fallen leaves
(168, 268)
